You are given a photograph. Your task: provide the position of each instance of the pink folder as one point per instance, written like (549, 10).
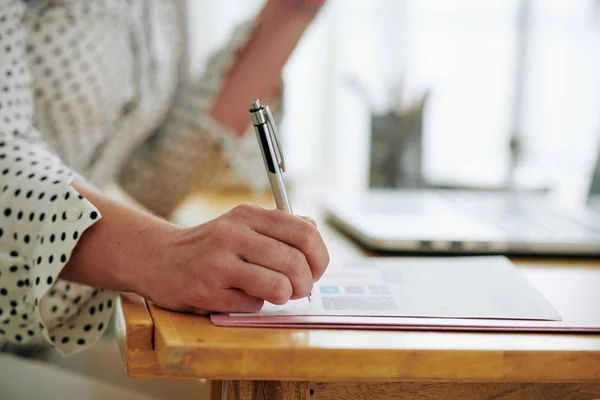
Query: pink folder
(575, 293)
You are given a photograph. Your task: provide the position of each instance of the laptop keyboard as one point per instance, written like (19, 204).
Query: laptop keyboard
(517, 218)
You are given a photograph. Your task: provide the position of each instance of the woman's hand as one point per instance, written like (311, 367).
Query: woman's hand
(232, 263)
(256, 71)
(236, 261)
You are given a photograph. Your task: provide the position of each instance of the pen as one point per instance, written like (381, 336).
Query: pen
(268, 140)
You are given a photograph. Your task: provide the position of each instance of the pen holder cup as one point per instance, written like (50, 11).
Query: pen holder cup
(396, 149)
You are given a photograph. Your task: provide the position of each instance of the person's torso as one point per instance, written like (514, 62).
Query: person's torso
(104, 75)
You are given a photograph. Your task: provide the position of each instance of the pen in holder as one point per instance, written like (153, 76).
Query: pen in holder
(395, 158)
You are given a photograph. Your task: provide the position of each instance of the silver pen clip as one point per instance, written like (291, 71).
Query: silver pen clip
(275, 139)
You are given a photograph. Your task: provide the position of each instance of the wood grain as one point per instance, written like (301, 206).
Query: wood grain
(453, 391)
(135, 323)
(135, 330)
(189, 345)
(267, 390)
(216, 390)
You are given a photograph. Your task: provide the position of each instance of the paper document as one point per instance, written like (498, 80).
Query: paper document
(475, 287)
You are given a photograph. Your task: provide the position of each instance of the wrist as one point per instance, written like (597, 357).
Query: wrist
(119, 251)
(143, 255)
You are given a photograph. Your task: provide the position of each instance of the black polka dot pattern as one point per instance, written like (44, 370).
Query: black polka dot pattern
(61, 66)
(42, 216)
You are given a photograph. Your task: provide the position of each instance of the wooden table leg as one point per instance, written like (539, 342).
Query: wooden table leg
(216, 390)
(267, 390)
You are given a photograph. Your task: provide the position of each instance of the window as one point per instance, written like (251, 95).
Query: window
(466, 53)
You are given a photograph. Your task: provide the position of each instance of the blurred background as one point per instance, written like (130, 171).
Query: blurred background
(500, 93)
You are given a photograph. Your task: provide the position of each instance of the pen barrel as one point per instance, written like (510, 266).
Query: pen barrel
(274, 173)
(281, 200)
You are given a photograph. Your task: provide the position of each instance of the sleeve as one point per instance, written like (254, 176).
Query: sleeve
(42, 218)
(191, 151)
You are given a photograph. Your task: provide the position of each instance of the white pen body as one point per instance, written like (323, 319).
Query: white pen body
(273, 171)
(274, 164)
(279, 193)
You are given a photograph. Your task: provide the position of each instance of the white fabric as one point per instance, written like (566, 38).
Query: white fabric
(96, 89)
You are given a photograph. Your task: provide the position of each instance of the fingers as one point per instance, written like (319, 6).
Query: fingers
(259, 282)
(235, 300)
(277, 256)
(228, 300)
(309, 220)
(291, 230)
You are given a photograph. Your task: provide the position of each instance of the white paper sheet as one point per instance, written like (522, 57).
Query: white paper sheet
(473, 287)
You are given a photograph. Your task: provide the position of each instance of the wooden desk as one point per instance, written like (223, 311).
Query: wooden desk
(344, 364)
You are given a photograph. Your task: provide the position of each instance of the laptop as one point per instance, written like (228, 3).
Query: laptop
(446, 222)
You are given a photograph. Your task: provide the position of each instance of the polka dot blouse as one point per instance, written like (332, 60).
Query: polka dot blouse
(99, 91)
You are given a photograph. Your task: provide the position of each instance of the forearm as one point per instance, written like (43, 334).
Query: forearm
(113, 253)
(256, 73)
(194, 149)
